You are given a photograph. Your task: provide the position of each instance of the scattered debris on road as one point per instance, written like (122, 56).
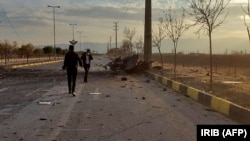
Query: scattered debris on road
(124, 78)
(44, 103)
(157, 67)
(3, 89)
(1, 76)
(42, 119)
(156, 106)
(95, 93)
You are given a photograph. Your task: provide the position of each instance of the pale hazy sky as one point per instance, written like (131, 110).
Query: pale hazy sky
(27, 21)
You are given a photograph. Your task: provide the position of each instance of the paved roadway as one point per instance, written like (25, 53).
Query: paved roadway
(105, 109)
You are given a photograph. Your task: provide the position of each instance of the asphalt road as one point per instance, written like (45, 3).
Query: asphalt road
(105, 109)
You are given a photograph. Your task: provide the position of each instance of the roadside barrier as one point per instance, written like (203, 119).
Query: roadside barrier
(232, 110)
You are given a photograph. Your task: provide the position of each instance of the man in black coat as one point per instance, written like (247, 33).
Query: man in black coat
(71, 61)
(86, 59)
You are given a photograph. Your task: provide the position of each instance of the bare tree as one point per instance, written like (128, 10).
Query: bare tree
(125, 48)
(48, 50)
(207, 13)
(247, 12)
(175, 27)
(129, 35)
(158, 36)
(139, 45)
(27, 50)
(38, 52)
(5, 49)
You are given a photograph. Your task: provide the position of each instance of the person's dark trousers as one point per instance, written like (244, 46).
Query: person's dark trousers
(86, 68)
(71, 74)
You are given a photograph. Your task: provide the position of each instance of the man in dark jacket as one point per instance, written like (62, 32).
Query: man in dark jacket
(71, 61)
(86, 59)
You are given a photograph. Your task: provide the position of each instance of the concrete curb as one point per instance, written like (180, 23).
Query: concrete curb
(233, 111)
(34, 64)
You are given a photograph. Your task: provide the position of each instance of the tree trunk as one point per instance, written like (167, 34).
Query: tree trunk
(5, 58)
(175, 59)
(211, 62)
(161, 60)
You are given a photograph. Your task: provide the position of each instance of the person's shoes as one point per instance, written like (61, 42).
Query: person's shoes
(70, 92)
(73, 93)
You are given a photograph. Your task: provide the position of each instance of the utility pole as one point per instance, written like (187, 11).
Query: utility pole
(107, 47)
(110, 42)
(148, 33)
(116, 28)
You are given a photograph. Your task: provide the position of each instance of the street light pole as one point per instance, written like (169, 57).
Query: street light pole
(73, 25)
(80, 34)
(53, 7)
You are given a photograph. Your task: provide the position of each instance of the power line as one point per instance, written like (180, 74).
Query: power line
(11, 25)
(121, 17)
(124, 13)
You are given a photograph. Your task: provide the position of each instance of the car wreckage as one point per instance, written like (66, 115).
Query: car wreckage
(128, 64)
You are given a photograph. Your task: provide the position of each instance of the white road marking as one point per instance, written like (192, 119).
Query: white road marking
(37, 90)
(66, 115)
(5, 111)
(3, 89)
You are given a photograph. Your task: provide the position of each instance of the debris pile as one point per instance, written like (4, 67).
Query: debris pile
(128, 64)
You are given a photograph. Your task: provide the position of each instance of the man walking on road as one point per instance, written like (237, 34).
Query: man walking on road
(71, 61)
(86, 58)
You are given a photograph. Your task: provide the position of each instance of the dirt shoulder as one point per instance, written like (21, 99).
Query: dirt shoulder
(227, 84)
